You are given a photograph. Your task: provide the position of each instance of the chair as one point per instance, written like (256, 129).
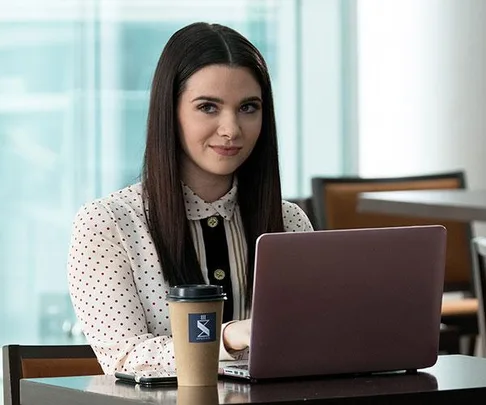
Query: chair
(479, 267)
(44, 361)
(335, 207)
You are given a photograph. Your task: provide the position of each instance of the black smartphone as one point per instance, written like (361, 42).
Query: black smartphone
(146, 381)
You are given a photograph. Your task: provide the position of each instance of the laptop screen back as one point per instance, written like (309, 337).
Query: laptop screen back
(347, 301)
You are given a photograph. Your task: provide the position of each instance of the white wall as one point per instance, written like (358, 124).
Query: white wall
(422, 91)
(422, 87)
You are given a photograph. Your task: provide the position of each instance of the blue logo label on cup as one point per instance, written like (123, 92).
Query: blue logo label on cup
(202, 327)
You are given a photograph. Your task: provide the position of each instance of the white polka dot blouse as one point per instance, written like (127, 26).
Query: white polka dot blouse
(116, 283)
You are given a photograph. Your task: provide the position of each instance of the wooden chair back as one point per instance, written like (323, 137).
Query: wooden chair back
(44, 361)
(335, 207)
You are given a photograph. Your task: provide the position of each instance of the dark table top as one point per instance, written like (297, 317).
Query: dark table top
(454, 379)
(460, 205)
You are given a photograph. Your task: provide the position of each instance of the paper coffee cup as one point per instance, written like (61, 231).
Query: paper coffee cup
(196, 313)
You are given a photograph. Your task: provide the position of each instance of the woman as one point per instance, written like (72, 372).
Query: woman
(210, 187)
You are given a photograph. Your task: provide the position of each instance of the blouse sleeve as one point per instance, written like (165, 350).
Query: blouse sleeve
(294, 218)
(105, 298)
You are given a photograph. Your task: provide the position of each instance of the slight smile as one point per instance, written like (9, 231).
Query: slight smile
(226, 150)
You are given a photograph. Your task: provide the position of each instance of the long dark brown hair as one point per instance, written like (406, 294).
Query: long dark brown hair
(259, 193)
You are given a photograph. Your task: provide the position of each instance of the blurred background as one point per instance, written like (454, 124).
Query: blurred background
(365, 87)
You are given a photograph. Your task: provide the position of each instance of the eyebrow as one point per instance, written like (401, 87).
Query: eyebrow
(220, 101)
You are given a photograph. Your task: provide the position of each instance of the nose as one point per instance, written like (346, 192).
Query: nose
(229, 126)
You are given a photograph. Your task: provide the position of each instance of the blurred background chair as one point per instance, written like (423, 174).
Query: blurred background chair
(44, 361)
(479, 266)
(335, 207)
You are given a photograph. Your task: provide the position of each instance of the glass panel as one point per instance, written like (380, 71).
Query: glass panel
(74, 82)
(40, 154)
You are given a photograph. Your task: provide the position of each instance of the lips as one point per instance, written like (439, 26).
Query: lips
(226, 150)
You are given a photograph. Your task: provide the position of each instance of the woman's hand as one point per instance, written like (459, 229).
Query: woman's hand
(236, 335)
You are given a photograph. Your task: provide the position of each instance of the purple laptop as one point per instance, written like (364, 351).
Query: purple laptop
(345, 301)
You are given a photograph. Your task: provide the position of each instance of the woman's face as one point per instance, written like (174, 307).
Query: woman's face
(220, 119)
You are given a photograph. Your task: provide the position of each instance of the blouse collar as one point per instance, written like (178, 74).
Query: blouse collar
(197, 208)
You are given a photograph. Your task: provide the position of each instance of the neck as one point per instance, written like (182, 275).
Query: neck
(210, 189)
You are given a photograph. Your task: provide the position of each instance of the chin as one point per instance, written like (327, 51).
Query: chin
(224, 171)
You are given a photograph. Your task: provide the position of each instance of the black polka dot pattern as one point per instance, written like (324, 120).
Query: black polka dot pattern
(294, 218)
(197, 208)
(116, 282)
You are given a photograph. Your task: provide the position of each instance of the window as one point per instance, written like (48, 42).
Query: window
(74, 86)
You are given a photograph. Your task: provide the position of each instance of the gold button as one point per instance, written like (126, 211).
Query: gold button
(213, 222)
(219, 274)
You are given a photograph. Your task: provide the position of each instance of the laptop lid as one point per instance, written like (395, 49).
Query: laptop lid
(347, 301)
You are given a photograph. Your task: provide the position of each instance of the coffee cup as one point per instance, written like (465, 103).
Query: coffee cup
(196, 313)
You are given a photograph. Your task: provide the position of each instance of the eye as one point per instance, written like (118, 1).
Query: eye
(250, 108)
(207, 108)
